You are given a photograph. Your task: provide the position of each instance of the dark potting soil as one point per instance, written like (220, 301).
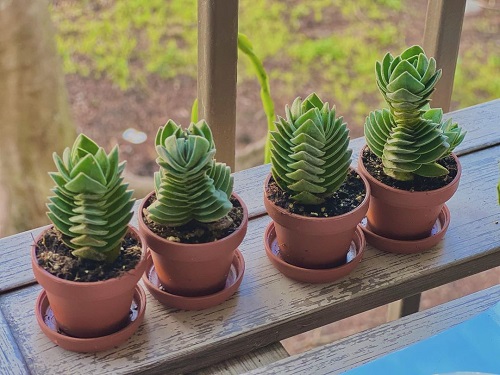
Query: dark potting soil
(196, 232)
(349, 196)
(373, 165)
(55, 257)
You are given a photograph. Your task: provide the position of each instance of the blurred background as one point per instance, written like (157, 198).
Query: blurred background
(132, 64)
(117, 70)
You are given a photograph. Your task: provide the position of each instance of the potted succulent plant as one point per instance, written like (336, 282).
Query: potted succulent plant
(315, 199)
(90, 260)
(409, 161)
(192, 221)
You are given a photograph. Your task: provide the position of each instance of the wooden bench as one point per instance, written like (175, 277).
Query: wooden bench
(268, 307)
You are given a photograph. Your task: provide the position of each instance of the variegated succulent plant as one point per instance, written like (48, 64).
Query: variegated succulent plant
(92, 206)
(190, 185)
(310, 156)
(410, 137)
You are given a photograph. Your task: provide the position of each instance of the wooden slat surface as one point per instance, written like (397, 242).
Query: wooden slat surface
(254, 360)
(480, 122)
(366, 346)
(11, 359)
(269, 307)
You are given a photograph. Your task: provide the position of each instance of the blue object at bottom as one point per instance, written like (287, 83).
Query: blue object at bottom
(472, 346)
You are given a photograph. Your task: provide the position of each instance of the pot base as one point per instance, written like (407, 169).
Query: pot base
(308, 275)
(233, 282)
(48, 324)
(410, 246)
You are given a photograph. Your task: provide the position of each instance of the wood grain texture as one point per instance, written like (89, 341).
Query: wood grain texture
(479, 121)
(256, 359)
(269, 307)
(11, 359)
(366, 346)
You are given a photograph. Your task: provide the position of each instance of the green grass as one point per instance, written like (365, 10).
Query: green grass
(127, 40)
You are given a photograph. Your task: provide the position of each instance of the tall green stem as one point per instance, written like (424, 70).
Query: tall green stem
(245, 46)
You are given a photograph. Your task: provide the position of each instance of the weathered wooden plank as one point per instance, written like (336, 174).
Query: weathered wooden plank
(368, 345)
(15, 268)
(256, 359)
(11, 359)
(443, 27)
(480, 121)
(269, 307)
(217, 58)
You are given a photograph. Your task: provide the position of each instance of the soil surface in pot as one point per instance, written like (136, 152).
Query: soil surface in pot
(373, 165)
(55, 257)
(349, 196)
(196, 232)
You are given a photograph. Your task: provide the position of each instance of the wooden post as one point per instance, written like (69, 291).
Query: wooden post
(443, 26)
(217, 57)
(404, 307)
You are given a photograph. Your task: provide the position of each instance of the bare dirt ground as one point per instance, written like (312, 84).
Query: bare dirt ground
(103, 112)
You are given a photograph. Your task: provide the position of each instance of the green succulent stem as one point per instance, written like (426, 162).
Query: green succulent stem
(91, 206)
(410, 137)
(190, 184)
(310, 157)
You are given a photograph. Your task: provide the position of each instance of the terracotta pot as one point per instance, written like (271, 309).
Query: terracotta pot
(405, 215)
(90, 309)
(192, 269)
(311, 242)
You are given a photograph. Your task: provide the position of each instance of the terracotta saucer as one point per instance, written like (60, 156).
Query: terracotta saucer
(412, 246)
(309, 275)
(233, 282)
(48, 324)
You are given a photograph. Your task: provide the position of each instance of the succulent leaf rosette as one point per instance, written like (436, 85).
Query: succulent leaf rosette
(92, 206)
(409, 137)
(406, 82)
(310, 157)
(190, 184)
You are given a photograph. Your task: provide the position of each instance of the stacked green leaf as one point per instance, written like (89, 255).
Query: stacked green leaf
(406, 83)
(92, 206)
(408, 138)
(190, 185)
(310, 157)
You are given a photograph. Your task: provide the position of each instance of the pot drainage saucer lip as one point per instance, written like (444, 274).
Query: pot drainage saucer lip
(410, 246)
(309, 275)
(233, 282)
(48, 324)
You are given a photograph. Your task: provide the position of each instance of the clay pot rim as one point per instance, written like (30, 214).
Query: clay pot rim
(93, 344)
(380, 184)
(242, 226)
(86, 284)
(358, 208)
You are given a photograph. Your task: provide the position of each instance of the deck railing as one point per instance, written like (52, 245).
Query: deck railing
(217, 66)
